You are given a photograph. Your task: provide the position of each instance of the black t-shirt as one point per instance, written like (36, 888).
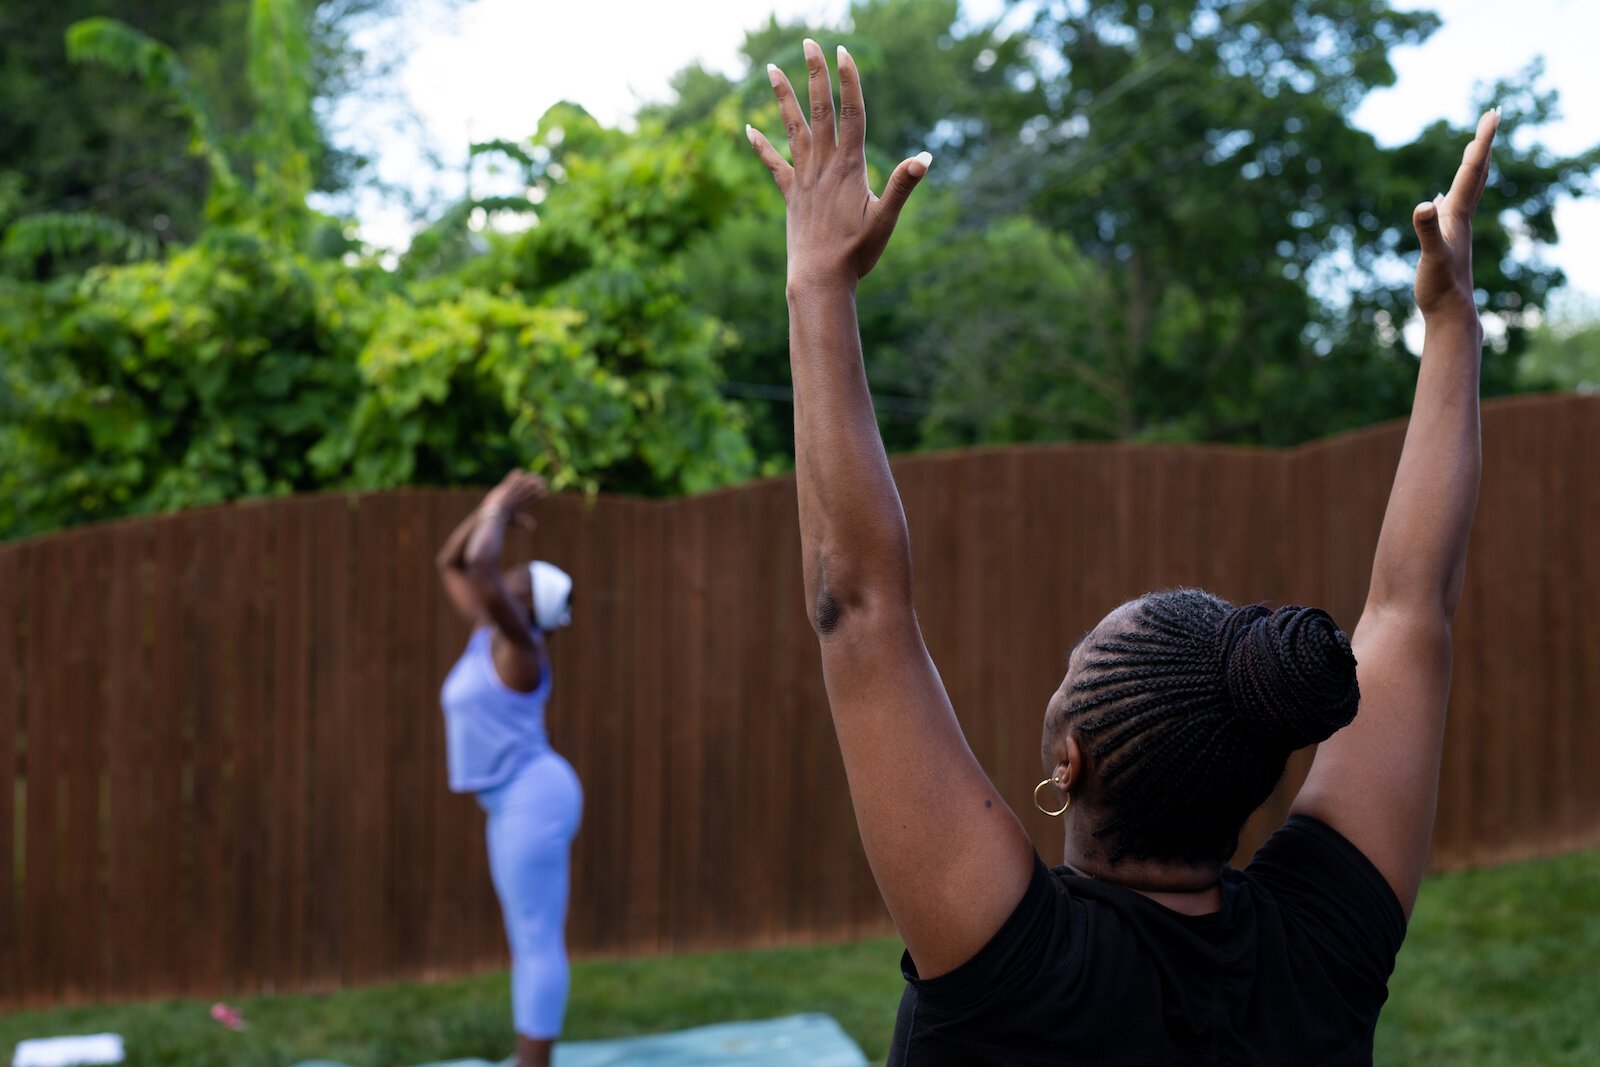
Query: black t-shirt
(1291, 972)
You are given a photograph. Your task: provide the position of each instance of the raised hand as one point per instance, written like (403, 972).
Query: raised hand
(516, 491)
(1444, 226)
(837, 228)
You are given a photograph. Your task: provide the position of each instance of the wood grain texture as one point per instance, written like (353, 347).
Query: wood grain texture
(223, 752)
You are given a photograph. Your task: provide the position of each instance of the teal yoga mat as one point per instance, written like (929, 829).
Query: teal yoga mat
(812, 1040)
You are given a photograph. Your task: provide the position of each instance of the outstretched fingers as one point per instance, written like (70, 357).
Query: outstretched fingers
(782, 173)
(820, 89)
(852, 108)
(1473, 174)
(794, 123)
(1488, 129)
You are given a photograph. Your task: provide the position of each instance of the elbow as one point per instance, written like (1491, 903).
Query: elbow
(834, 615)
(844, 593)
(483, 574)
(1426, 626)
(828, 611)
(1416, 596)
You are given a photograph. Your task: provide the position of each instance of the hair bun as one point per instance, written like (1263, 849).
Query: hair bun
(1291, 676)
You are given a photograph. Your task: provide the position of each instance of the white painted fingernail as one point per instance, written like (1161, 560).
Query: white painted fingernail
(811, 47)
(772, 73)
(843, 55)
(750, 133)
(925, 158)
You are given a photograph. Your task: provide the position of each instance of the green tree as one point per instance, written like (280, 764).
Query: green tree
(206, 375)
(1563, 351)
(616, 381)
(1252, 242)
(929, 84)
(1235, 251)
(73, 138)
(251, 362)
(92, 173)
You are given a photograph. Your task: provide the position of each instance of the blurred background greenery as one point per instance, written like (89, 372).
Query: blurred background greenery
(1146, 221)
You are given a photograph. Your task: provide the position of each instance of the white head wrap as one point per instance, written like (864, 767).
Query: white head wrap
(552, 595)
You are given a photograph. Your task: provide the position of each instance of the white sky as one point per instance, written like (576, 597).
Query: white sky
(493, 70)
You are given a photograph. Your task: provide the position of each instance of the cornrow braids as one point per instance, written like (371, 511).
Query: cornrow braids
(1192, 712)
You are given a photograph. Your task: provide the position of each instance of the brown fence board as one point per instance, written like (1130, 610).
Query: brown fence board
(1562, 782)
(124, 684)
(648, 773)
(13, 784)
(449, 632)
(208, 854)
(685, 619)
(447, 945)
(45, 900)
(366, 736)
(224, 732)
(606, 720)
(332, 659)
(1582, 502)
(289, 827)
(167, 973)
(87, 836)
(254, 723)
(1584, 505)
(412, 721)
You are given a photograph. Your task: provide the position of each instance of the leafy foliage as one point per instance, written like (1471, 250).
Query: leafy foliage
(580, 329)
(1230, 254)
(1564, 352)
(161, 385)
(253, 363)
(120, 48)
(73, 139)
(1253, 244)
(61, 236)
(1145, 221)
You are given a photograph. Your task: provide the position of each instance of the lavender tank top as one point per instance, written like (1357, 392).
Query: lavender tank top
(491, 730)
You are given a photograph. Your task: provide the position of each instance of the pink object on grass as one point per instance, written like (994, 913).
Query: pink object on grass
(227, 1016)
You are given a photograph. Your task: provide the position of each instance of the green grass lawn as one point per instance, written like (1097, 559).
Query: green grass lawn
(1501, 967)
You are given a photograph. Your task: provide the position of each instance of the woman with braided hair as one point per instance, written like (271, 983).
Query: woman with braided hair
(1175, 719)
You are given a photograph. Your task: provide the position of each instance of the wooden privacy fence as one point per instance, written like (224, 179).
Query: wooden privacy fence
(224, 755)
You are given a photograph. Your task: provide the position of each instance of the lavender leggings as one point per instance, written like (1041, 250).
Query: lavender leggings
(533, 818)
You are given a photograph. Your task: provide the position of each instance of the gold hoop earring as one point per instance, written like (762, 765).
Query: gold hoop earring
(1064, 792)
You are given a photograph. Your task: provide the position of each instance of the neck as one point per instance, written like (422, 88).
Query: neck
(1190, 888)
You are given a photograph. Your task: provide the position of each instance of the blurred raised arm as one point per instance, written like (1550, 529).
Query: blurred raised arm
(451, 560)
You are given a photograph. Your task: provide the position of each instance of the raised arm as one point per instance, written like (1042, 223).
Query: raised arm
(451, 563)
(949, 857)
(1377, 780)
(470, 567)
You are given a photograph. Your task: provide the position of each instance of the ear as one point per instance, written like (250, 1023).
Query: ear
(1069, 760)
